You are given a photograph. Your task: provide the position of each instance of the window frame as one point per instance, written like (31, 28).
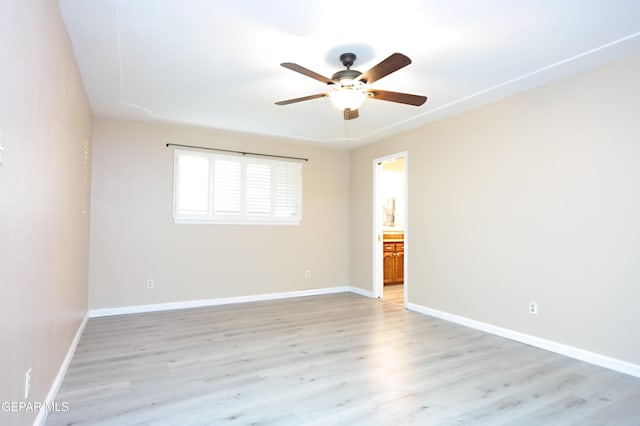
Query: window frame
(243, 217)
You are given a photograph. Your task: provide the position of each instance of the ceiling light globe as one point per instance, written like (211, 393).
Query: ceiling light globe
(344, 98)
(346, 82)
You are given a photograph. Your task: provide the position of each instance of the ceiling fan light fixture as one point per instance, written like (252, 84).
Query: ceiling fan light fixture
(347, 97)
(346, 82)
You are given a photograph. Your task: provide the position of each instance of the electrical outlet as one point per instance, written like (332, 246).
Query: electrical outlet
(307, 274)
(27, 383)
(149, 283)
(533, 308)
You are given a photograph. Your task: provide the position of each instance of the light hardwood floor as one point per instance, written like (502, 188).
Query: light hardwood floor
(394, 293)
(327, 360)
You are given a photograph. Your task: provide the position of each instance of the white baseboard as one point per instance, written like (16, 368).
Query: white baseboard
(361, 292)
(562, 349)
(55, 386)
(94, 313)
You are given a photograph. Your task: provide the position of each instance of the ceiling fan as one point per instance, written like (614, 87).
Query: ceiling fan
(349, 88)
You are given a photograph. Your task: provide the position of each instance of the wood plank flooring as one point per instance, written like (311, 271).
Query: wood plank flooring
(394, 294)
(327, 360)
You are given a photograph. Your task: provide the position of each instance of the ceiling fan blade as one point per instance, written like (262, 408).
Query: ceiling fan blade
(304, 98)
(350, 114)
(392, 64)
(307, 72)
(401, 98)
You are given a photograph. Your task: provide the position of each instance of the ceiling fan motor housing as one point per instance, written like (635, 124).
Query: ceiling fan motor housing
(345, 76)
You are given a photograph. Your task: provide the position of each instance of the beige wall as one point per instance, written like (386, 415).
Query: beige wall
(133, 237)
(44, 199)
(533, 198)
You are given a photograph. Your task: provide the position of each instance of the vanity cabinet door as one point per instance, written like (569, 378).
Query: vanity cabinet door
(388, 262)
(393, 263)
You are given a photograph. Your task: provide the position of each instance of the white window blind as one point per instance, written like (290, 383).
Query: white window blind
(219, 188)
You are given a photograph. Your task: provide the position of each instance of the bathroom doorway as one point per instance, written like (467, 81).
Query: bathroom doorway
(390, 228)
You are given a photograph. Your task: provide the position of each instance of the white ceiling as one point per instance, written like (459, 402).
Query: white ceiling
(215, 63)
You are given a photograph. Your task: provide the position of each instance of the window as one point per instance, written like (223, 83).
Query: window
(222, 188)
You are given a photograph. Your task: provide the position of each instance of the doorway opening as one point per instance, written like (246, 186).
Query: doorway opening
(390, 228)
